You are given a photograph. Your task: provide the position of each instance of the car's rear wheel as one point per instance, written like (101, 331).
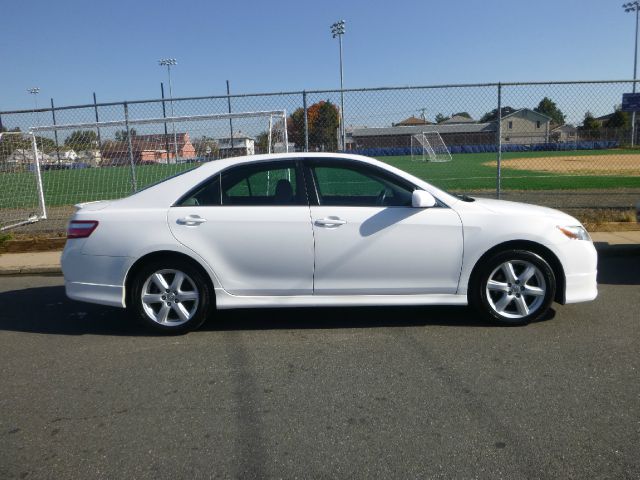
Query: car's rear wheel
(513, 287)
(171, 296)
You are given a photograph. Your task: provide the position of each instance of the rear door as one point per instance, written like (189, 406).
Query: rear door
(251, 224)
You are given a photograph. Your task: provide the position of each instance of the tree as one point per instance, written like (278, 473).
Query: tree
(590, 128)
(262, 142)
(24, 142)
(619, 119)
(589, 122)
(45, 145)
(121, 135)
(82, 140)
(206, 147)
(441, 118)
(323, 120)
(550, 109)
(492, 116)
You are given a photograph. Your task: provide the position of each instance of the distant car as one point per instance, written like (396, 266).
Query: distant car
(309, 229)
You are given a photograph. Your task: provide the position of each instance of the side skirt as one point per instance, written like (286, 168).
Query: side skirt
(225, 301)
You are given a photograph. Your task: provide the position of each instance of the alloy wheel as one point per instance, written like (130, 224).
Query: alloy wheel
(516, 289)
(169, 297)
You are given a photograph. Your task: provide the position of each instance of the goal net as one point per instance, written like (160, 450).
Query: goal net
(21, 194)
(429, 147)
(81, 162)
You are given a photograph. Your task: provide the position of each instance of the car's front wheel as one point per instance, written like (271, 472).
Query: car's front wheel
(171, 296)
(514, 287)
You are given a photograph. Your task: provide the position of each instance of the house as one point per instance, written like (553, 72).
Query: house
(240, 145)
(456, 119)
(604, 119)
(24, 156)
(278, 147)
(90, 157)
(523, 126)
(564, 133)
(68, 155)
(412, 121)
(456, 134)
(154, 148)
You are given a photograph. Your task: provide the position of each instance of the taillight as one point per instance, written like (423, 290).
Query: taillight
(81, 228)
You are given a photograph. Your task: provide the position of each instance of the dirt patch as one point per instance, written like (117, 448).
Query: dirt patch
(32, 243)
(628, 165)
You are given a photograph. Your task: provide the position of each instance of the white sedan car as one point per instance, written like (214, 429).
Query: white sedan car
(308, 229)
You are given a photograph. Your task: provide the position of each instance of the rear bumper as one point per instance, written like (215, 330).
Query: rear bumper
(94, 278)
(111, 295)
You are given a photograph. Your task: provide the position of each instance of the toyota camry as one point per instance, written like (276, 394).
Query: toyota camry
(312, 229)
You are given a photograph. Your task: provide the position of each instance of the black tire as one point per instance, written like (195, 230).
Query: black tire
(504, 301)
(192, 297)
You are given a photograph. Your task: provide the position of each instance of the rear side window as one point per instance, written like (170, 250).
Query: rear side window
(260, 184)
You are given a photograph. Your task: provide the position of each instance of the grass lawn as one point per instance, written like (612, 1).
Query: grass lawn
(465, 172)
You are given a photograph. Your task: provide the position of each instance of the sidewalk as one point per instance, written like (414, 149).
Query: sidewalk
(48, 263)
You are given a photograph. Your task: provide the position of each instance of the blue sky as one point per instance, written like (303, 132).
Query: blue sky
(72, 48)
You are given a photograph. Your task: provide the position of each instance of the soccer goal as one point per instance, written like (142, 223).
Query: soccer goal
(111, 159)
(21, 193)
(429, 147)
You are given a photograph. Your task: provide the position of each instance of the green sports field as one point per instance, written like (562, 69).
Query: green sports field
(466, 172)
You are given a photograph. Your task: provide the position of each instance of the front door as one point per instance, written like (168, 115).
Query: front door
(369, 240)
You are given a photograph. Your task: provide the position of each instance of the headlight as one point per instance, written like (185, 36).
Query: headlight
(575, 232)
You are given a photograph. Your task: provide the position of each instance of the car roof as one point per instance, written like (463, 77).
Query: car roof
(169, 191)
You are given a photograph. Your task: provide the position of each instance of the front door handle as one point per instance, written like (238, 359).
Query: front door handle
(330, 222)
(191, 220)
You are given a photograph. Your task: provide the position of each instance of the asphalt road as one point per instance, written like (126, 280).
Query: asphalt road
(335, 393)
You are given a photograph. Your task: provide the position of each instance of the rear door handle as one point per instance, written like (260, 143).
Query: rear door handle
(330, 222)
(191, 220)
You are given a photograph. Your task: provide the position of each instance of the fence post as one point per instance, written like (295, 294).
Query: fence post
(134, 183)
(55, 132)
(499, 144)
(164, 115)
(230, 120)
(1, 122)
(95, 108)
(306, 121)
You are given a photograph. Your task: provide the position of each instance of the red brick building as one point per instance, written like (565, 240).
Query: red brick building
(155, 148)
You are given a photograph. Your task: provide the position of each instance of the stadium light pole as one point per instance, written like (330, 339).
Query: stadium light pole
(169, 62)
(628, 8)
(337, 30)
(35, 91)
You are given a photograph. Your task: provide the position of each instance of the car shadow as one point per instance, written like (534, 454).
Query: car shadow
(46, 310)
(622, 269)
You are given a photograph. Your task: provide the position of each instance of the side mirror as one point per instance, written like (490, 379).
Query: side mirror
(422, 199)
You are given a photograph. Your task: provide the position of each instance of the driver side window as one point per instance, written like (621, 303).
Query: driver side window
(356, 186)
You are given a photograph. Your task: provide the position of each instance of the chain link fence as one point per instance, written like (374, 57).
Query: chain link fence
(561, 144)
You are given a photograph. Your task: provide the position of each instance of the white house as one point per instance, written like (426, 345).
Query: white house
(241, 145)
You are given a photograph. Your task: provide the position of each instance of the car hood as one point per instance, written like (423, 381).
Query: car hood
(504, 207)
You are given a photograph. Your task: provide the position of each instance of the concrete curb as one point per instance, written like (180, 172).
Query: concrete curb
(26, 271)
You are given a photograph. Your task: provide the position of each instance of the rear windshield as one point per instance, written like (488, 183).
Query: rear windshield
(187, 168)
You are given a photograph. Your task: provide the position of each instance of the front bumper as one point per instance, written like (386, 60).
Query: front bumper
(580, 263)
